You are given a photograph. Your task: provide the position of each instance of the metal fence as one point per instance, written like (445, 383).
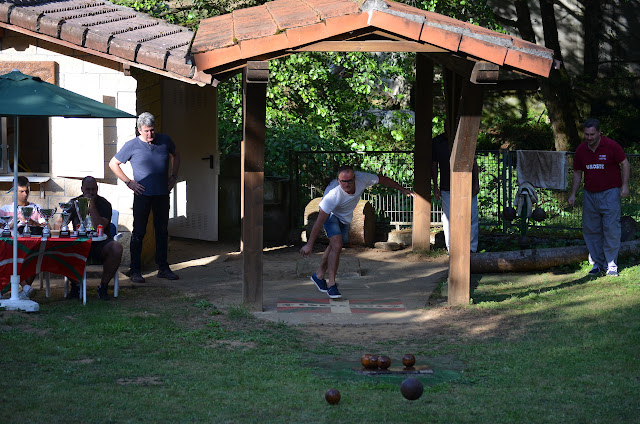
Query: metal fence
(498, 187)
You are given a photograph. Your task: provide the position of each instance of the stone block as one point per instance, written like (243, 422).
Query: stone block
(389, 246)
(404, 237)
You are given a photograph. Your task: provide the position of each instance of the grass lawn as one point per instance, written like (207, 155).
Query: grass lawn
(552, 350)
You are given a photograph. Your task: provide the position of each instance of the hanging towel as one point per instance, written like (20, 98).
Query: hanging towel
(542, 168)
(526, 195)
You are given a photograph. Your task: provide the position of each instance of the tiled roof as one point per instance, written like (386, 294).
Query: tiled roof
(280, 27)
(107, 30)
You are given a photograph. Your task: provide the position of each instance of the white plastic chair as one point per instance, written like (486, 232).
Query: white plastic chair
(116, 278)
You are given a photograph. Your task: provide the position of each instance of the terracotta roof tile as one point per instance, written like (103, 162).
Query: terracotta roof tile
(440, 37)
(535, 64)
(483, 49)
(346, 23)
(108, 29)
(217, 58)
(51, 23)
(253, 22)
(396, 24)
(263, 45)
(214, 33)
(332, 8)
(307, 34)
(292, 13)
(126, 44)
(259, 32)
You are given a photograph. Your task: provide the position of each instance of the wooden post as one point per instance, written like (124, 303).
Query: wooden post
(421, 235)
(254, 88)
(462, 160)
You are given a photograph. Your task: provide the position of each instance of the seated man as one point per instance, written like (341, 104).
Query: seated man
(108, 252)
(36, 221)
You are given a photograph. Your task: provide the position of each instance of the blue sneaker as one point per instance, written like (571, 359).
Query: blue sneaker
(595, 270)
(612, 273)
(333, 292)
(321, 284)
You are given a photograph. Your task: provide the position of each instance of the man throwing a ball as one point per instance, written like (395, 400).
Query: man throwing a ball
(336, 211)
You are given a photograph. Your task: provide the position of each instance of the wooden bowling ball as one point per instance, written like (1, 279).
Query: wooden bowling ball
(365, 360)
(384, 362)
(408, 360)
(539, 214)
(509, 213)
(332, 396)
(411, 388)
(373, 362)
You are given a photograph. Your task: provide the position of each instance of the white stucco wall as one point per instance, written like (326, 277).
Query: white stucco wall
(80, 147)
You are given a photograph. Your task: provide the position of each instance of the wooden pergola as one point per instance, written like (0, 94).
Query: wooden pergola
(471, 56)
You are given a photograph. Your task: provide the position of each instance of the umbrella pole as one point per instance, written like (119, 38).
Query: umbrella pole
(15, 278)
(14, 302)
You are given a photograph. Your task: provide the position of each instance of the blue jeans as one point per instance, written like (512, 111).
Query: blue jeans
(142, 205)
(333, 227)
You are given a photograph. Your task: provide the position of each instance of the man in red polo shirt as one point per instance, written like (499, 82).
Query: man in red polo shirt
(599, 158)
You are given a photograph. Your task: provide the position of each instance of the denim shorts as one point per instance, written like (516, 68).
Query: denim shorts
(333, 227)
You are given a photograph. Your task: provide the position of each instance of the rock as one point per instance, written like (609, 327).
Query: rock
(388, 245)
(404, 237)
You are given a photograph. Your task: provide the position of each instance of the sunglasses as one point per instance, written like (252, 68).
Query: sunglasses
(346, 181)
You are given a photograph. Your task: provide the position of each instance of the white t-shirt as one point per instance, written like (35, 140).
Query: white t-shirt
(342, 204)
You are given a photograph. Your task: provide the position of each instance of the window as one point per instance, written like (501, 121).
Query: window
(33, 141)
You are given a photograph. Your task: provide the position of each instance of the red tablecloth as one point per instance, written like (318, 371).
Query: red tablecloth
(63, 256)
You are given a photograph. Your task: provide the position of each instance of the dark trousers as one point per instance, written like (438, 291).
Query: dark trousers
(142, 205)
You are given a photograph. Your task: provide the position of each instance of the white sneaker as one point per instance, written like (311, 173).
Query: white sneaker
(30, 291)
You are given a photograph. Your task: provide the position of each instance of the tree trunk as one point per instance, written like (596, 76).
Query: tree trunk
(556, 89)
(591, 24)
(538, 259)
(559, 89)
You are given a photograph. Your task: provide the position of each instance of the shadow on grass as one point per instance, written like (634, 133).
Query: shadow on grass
(483, 296)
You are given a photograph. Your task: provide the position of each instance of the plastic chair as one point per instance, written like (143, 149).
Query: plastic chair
(115, 215)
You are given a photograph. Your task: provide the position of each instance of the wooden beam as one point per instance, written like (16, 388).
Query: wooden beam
(254, 87)
(421, 234)
(462, 160)
(460, 65)
(369, 46)
(485, 73)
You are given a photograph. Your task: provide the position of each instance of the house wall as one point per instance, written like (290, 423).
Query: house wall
(78, 141)
(81, 147)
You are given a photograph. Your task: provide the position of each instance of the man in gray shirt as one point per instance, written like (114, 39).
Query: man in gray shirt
(149, 154)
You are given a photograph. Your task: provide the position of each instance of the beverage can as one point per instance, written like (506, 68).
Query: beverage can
(100, 230)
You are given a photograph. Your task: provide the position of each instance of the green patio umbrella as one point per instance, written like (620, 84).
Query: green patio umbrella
(26, 95)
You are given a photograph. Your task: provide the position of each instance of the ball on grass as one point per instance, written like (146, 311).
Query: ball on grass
(408, 360)
(384, 362)
(411, 388)
(332, 396)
